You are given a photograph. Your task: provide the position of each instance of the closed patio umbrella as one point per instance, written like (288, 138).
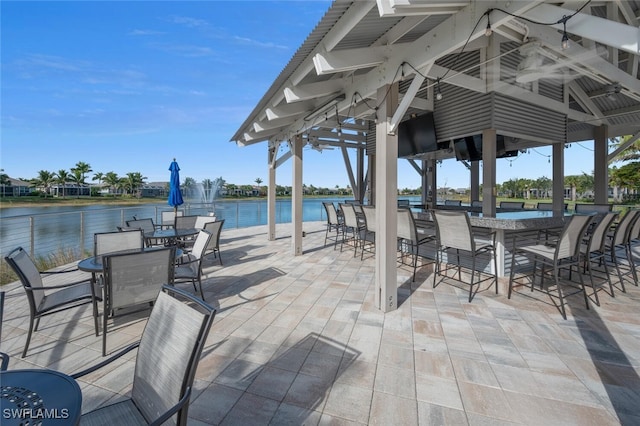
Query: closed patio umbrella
(175, 195)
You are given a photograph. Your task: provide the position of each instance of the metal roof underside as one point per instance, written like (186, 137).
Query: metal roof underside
(327, 91)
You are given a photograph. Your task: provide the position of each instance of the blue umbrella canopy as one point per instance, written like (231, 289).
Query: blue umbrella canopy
(175, 195)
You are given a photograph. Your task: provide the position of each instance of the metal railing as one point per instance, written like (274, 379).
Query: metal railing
(42, 234)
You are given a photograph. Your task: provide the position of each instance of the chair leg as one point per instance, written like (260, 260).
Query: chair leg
(26, 345)
(473, 271)
(606, 271)
(614, 259)
(593, 285)
(513, 264)
(557, 280)
(436, 268)
(495, 268)
(584, 289)
(104, 331)
(201, 292)
(95, 316)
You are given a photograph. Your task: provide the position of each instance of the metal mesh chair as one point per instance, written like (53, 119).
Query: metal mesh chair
(594, 249)
(168, 355)
(168, 218)
(57, 295)
(369, 232)
(215, 229)
(190, 268)
(563, 253)
(409, 239)
(333, 223)
(111, 242)
(454, 232)
(620, 240)
(134, 279)
(148, 228)
(351, 225)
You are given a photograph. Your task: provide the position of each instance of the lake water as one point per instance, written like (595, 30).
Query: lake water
(44, 230)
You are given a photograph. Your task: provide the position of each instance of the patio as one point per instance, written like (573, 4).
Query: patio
(298, 340)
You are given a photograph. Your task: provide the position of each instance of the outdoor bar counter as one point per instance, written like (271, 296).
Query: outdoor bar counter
(507, 223)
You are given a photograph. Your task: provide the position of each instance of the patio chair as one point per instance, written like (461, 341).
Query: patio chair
(148, 228)
(190, 268)
(585, 208)
(168, 355)
(512, 205)
(369, 231)
(203, 220)
(620, 239)
(549, 206)
(56, 296)
(563, 253)
(111, 242)
(333, 222)
(409, 239)
(215, 229)
(168, 218)
(133, 279)
(351, 225)
(186, 222)
(594, 249)
(454, 232)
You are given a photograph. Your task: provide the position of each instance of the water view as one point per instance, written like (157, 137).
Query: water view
(44, 230)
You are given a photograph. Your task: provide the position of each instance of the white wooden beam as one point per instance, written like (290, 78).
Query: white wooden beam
(610, 33)
(349, 59)
(289, 110)
(312, 90)
(413, 89)
(585, 101)
(622, 147)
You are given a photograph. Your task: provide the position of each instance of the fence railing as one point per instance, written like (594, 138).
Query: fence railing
(42, 234)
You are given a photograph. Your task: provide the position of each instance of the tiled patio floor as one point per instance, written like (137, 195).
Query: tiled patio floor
(297, 340)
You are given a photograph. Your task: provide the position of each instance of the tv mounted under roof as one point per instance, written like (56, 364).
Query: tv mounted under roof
(470, 148)
(417, 135)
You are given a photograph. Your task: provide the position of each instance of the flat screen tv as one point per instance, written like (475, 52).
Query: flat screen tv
(470, 148)
(417, 136)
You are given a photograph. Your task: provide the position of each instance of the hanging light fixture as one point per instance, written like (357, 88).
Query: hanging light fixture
(438, 92)
(488, 31)
(565, 36)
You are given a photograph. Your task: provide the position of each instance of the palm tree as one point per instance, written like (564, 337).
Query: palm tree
(188, 184)
(4, 181)
(77, 178)
(572, 181)
(98, 176)
(111, 179)
(45, 179)
(134, 181)
(82, 169)
(258, 181)
(61, 179)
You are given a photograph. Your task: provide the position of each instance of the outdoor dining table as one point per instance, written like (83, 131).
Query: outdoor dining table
(94, 265)
(171, 235)
(39, 397)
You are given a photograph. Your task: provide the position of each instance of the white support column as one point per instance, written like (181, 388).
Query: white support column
(386, 295)
(600, 170)
(475, 180)
(489, 172)
(360, 174)
(296, 197)
(271, 195)
(557, 152)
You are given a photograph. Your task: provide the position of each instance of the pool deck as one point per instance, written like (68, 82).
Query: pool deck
(297, 340)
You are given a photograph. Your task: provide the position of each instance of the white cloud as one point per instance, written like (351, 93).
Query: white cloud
(253, 42)
(137, 32)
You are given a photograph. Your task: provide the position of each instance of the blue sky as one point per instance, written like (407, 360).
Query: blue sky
(126, 86)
